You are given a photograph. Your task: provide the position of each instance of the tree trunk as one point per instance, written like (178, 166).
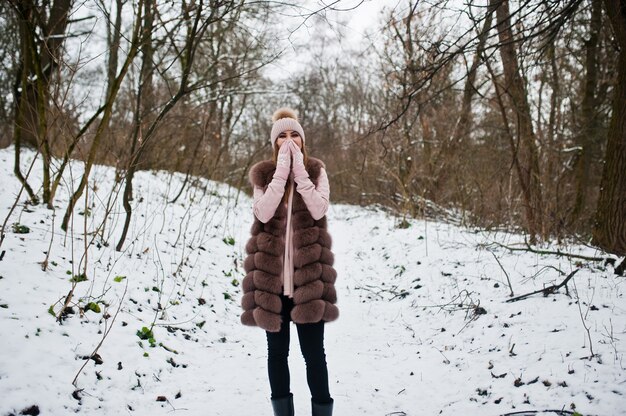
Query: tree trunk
(19, 88)
(113, 39)
(610, 227)
(144, 104)
(526, 148)
(26, 118)
(589, 129)
(25, 125)
(38, 64)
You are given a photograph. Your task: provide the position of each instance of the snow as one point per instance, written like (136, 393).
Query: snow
(408, 340)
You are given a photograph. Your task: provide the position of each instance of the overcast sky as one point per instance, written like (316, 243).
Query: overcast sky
(351, 24)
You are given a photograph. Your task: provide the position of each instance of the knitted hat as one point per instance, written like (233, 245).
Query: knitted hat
(285, 119)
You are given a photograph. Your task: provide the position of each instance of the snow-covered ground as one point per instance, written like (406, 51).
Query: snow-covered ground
(424, 327)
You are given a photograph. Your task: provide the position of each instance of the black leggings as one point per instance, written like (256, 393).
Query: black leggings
(311, 338)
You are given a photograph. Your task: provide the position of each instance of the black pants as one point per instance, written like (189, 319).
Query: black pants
(311, 338)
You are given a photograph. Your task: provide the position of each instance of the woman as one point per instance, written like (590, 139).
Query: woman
(289, 273)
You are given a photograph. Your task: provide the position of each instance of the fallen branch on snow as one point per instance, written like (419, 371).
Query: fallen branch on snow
(555, 253)
(546, 290)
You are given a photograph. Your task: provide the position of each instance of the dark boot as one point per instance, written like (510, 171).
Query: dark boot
(322, 409)
(283, 406)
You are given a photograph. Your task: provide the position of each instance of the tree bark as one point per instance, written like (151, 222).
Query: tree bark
(19, 125)
(526, 148)
(113, 39)
(144, 103)
(589, 129)
(38, 65)
(25, 113)
(610, 226)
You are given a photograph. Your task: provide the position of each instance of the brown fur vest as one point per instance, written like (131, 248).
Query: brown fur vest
(314, 277)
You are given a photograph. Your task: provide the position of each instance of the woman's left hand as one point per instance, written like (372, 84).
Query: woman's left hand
(298, 161)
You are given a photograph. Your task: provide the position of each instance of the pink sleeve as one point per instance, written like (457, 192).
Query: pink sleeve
(315, 198)
(266, 202)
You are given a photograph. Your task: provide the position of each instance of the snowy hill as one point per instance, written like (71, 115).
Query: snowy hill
(424, 328)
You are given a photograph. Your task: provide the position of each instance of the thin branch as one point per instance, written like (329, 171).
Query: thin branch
(554, 253)
(546, 290)
(104, 336)
(505, 273)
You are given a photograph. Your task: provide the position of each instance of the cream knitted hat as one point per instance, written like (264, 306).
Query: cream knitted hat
(285, 119)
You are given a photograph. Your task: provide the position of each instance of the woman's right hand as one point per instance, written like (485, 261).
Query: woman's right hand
(283, 162)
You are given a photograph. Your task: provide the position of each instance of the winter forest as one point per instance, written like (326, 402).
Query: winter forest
(476, 157)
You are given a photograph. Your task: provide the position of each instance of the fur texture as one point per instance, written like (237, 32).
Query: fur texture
(314, 277)
(284, 112)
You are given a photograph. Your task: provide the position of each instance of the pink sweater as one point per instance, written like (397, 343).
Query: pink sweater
(266, 202)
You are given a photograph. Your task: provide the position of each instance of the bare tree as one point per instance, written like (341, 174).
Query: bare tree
(538, 143)
(196, 21)
(610, 228)
(42, 32)
(107, 110)
(9, 66)
(526, 156)
(447, 158)
(590, 123)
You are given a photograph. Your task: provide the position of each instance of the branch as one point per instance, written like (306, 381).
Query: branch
(104, 336)
(505, 272)
(546, 290)
(555, 253)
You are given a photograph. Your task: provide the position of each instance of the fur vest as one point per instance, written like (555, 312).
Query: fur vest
(314, 277)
